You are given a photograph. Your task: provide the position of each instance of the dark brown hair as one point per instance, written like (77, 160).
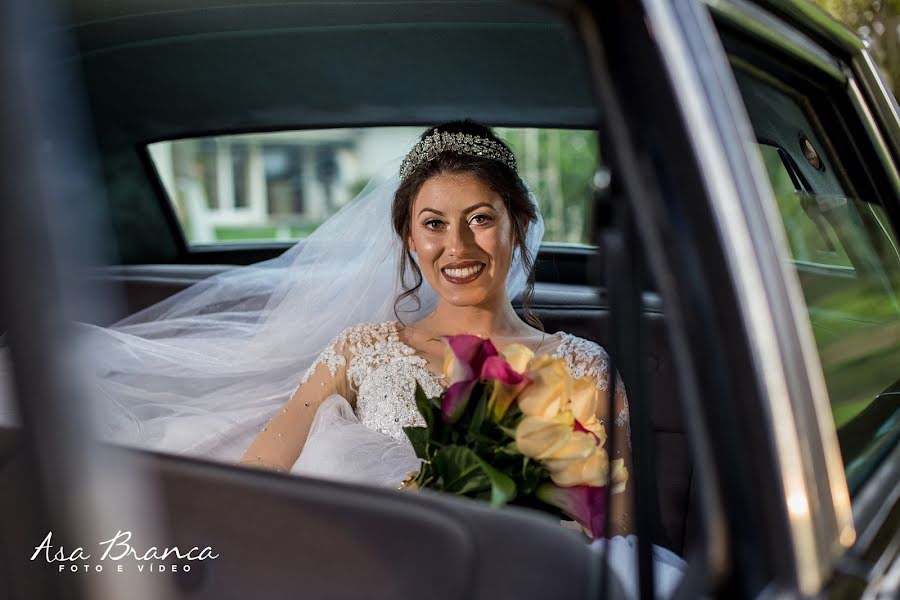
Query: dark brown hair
(493, 173)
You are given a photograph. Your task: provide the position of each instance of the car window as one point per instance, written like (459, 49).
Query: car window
(846, 258)
(280, 186)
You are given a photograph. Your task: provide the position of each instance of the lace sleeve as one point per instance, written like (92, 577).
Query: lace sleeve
(599, 369)
(280, 442)
(588, 359)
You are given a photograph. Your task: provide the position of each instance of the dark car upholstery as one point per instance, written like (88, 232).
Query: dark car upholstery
(279, 537)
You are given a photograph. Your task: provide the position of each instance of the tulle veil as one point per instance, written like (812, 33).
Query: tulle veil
(202, 371)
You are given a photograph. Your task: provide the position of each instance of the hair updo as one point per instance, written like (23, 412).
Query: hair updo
(496, 175)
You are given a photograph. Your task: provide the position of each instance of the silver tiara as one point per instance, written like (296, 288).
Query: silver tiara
(430, 147)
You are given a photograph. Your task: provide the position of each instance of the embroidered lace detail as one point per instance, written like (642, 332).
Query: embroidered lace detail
(383, 371)
(330, 356)
(588, 359)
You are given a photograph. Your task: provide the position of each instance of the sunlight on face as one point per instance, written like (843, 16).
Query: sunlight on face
(463, 237)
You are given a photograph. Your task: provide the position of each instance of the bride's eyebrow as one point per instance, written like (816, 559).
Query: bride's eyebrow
(470, 209)
(479, 205)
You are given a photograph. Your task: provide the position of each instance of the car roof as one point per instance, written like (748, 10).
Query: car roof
(158, 69)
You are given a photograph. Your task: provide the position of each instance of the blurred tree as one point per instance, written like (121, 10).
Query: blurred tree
(877, 21)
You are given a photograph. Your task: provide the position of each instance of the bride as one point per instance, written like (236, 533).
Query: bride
(467, 230)
(461, 216)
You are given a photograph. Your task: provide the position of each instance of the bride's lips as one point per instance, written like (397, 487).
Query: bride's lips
(463, 272)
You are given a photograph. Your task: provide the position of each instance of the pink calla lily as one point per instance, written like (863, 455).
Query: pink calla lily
(456, 399)
(495, 368)
(463, 367)
(584, 503)
(508, 383)
(468, 353)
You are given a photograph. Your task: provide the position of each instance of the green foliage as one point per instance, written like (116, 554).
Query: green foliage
(877, 21)
(473, 457)
(559, 166)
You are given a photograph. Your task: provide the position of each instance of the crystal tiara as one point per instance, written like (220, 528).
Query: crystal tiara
(429, 147)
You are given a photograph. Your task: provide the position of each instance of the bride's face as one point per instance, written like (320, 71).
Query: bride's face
(463, 237)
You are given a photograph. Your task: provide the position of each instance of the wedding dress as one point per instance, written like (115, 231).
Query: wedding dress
(377, 373)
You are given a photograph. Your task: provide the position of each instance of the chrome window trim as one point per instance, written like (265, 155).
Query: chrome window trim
(876, 498)
(871, 127)
(883, 102)
(803, 434)
(756, 22)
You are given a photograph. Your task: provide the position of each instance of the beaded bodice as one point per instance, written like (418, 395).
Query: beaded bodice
(383, 372)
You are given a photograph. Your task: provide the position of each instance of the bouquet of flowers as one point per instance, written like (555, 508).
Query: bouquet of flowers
(515, 428)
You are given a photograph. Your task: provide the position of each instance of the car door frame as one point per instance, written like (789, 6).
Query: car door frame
(807, 33)
(806, 513)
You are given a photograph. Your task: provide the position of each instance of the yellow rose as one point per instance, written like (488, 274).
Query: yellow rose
(578, 447)
(583, 399)
(595, 426)
(591, 470)
(619, 476)
(550, 387)
(518, 356)
(538, 437)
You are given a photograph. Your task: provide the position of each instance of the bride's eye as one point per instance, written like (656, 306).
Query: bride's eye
(433, 224)
(481, 219)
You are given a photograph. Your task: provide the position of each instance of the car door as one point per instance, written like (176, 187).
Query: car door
(826, 129)
(783, 311)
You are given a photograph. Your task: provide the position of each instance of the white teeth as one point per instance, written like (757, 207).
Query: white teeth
(460, 273)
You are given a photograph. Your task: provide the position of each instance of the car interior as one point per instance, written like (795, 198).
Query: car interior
(500, 50)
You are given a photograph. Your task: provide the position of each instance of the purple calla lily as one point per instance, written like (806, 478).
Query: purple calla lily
(508, 383)
(470, 353)
(456, 399)
(584, 503)
(495, 368)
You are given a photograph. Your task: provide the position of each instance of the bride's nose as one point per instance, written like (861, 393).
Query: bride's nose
(459, 240)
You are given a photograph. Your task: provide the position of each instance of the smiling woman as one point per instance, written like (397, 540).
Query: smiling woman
(468, 227)
(467, 214)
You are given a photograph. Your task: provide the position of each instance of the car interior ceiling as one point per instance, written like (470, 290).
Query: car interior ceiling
(134, 63)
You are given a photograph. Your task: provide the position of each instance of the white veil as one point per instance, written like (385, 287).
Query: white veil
(202, 371)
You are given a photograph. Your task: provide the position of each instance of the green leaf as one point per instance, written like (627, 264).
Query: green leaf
(503, 488)
(480, 411)
(509, 431)
(512, 417)
(419, 438)
(509, 449)
(465, 473)
(454, 464)
(425, 406)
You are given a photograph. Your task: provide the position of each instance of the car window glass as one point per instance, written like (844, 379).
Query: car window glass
(280, 186)
(811, 236)
(845, 256)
